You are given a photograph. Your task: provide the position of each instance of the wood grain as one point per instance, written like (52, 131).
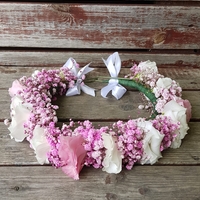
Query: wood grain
(187, 77)
(99, 26)
(34, 35)
(18, 154)
(77, 107)
(56, 58)
(98, 108)
(18, 183)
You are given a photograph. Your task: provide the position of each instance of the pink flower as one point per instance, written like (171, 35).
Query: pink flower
(186, 104)
(72, 153)
(16, 86)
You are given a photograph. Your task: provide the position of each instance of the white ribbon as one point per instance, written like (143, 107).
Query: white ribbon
(113, 64)
(79, 85)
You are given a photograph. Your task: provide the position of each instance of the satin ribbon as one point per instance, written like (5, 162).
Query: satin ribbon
(79, 85)
(113, 64)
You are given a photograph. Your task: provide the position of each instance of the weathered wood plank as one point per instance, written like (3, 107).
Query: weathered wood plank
(57, 58)
(98, 108)
(99, 26)
(127, 106)
(86, 27)
(180, 182)
(110, 109)
(12, 153)
(187, 77)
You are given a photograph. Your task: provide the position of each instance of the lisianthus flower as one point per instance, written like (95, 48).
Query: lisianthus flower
(186, 104)
(112, 162)
(178, 114)
(40, 144)
(20, 113)
(73, 154)
(164, 83)
(148, 67)
(161, 85)
(151, 143)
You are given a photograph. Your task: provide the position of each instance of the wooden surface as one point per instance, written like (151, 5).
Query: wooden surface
(99, 26)
(38, 35)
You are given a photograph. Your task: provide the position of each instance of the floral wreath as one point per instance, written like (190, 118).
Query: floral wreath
(70, 147)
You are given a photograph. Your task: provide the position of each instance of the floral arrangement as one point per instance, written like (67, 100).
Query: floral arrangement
(70, 147)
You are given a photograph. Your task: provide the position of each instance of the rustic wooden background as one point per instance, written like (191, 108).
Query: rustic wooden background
(35, 35)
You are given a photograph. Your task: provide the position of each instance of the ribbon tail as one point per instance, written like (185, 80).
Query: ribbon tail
(68, 64)
(88, 90)
(105, 90)
(116, 61)
(73, 91)
(84, 70)
(72, 65)
(118, 91)
(113, 64)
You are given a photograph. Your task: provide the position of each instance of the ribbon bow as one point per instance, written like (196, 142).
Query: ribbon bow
(79, 85)
(113, 64)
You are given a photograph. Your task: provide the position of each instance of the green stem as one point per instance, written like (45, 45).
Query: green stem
(133, 84)
(146, 91)
(140, 87)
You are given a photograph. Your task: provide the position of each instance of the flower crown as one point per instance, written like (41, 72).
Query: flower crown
(33, 116)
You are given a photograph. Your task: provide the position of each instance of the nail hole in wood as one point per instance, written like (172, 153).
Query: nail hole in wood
(16, 188)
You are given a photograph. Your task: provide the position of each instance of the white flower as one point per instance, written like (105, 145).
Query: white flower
(148, 67)
(20, 113)
(112, 162)
(161, 84)
(178, 114)
(151, 143)
(40, 144)
(164, 83)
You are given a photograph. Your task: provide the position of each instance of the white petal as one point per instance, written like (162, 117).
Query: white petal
(178, 114)
(148, 66)
(40, 144)
(164, 82)
(151, 143)
(173, 106)
(113, 160)
(19, 115)
(41, 153)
